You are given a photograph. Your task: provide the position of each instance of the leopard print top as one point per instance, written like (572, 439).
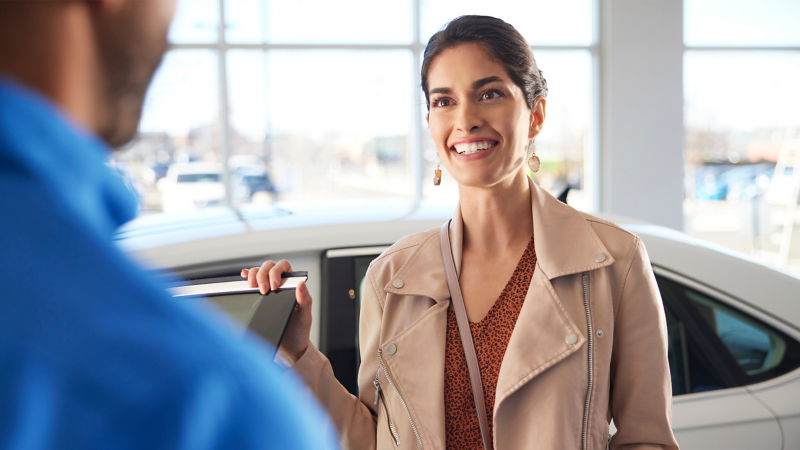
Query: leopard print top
(491, 336)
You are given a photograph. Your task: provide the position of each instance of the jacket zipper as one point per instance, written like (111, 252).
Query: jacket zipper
(591, 369)
(402, 402)
(378, 391)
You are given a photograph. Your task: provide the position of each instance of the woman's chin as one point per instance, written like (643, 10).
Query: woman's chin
(485, 179)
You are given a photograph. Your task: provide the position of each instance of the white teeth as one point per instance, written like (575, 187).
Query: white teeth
(473, 147)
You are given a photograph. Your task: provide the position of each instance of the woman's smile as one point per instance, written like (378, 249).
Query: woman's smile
(473, 149)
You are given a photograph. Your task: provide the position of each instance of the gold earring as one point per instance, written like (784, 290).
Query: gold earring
(533, 161)
(437, 176)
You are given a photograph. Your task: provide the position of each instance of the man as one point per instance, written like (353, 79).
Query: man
(93, 352)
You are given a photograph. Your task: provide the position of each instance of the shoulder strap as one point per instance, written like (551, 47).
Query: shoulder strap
(464, 331)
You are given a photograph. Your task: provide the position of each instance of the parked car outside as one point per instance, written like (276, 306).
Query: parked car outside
(252, 184)
(745, 182)
(191, 186)
(733, 323)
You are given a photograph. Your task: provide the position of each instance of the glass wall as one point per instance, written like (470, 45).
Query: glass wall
(742, 121)
(315, 100)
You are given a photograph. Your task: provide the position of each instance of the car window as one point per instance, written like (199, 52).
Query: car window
(713, 345)
(756, 348)
(690, 371)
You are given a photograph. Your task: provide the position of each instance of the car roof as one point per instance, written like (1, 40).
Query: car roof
(211, 236)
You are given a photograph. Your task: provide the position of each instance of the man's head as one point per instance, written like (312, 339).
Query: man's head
(93, 57)
(131, 39)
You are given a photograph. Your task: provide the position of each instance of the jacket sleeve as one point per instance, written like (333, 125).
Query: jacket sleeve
(641, 391)
(353, 416)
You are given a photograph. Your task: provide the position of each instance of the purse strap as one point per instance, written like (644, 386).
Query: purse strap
(464, 331)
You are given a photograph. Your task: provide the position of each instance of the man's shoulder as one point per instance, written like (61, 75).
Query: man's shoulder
(105, 339)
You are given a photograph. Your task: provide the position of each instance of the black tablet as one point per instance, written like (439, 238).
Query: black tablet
(264, 315)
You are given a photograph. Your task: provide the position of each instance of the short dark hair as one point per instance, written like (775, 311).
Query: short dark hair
(501, 41)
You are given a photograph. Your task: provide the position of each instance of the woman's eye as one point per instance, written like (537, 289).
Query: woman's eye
(438, 103)
(489, 95)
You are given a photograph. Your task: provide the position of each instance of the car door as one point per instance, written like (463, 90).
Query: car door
(343, 275)
(716, 351)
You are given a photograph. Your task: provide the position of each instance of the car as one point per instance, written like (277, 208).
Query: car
(724, 182)
(190, 186)
(252, 184)
(733, 323)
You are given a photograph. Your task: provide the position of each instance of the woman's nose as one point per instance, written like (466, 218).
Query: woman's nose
(468, 118)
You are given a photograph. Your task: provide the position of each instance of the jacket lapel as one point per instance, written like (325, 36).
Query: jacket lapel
(565, 244)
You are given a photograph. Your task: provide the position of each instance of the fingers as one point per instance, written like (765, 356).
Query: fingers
(276, 271)
(262, 277)
(302, 295)
(251, 276)
(268, 277)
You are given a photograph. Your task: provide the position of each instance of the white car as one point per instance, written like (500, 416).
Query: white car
(190, 186)
(734, 324)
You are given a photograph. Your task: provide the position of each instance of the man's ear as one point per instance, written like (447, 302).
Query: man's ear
(428, 119)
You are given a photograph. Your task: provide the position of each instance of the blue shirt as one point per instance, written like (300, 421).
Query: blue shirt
(93, 352)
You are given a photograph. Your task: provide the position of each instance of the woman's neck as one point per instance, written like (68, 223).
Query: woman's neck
(497, 218)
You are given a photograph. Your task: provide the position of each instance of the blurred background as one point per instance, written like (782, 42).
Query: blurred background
(696, 127)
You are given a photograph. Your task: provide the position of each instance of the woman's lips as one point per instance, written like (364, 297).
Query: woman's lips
(478, 153)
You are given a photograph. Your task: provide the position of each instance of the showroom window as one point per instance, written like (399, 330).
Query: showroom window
(742, 125)
(280, 105)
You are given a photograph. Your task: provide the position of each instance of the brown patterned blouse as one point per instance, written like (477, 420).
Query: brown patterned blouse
(491, 336)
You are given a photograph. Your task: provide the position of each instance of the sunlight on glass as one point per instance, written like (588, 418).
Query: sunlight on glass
(742, 119)
(746, 23)
(563, 22)
(196, 21)
(742, 91)
(318, 21)
(174, 160)
(339, 132)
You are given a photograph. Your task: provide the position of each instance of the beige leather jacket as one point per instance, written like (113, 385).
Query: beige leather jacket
(590, 345)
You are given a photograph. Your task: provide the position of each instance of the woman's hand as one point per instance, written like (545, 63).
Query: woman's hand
(268, 278)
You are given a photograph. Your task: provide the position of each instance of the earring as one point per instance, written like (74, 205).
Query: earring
(437, 176)
(533, 161)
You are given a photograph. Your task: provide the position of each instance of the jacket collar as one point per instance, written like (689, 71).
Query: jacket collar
(565, 244)
(39, 142)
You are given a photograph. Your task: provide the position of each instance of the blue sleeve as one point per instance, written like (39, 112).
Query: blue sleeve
(277, 413)
(95, 355)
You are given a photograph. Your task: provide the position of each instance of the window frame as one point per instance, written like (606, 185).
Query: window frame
(591, 164)
(733, 375)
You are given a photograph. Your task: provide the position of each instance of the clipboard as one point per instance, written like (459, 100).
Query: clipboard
(264, 315)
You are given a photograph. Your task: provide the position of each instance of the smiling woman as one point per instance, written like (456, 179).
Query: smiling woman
(519, 301)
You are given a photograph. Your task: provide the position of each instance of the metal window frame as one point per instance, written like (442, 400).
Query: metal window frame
(416, 47)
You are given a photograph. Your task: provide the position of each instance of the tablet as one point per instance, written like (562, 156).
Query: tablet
(264, 315)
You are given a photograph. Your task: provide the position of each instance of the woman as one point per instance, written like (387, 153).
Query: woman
(563, 309)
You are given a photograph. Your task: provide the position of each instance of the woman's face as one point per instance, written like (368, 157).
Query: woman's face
(478, 117)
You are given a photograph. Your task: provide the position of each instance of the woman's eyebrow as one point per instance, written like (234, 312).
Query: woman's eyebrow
(475, 85)
(484, 81)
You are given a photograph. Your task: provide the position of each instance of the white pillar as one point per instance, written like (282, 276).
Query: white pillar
(641, 154)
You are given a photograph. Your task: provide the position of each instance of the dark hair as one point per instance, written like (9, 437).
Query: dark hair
(501, 41)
